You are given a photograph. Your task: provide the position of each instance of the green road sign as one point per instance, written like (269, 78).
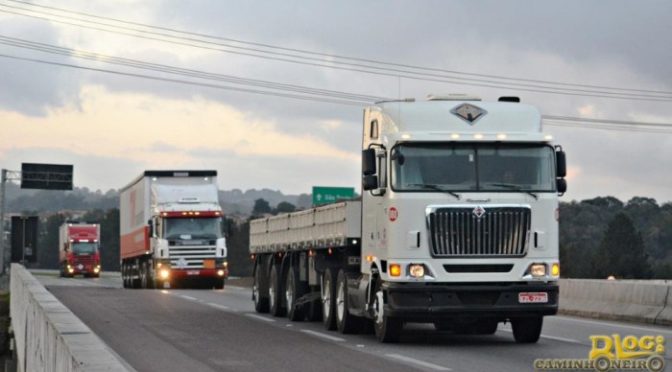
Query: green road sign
(326, 195)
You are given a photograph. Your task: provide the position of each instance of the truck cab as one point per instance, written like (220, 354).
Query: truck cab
(79, 249)
(460, 214)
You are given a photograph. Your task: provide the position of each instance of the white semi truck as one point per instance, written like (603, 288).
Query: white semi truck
(457, 226)
(171, 230)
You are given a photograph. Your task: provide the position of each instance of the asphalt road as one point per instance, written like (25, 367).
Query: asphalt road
(208, 330)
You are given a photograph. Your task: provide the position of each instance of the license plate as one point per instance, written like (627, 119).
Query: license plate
(193, 272)
(533, 297)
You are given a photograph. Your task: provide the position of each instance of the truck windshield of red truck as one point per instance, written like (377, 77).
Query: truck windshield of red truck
(84, 248)
(473, 167)
(180, 228)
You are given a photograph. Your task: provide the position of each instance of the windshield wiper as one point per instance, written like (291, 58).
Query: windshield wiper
(435, 187)
(514, 187)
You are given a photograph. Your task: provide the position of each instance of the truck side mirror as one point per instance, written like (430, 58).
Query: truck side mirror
(561, 164)
(370, 182)
(150, 224)
(368, 162)
(561, 185)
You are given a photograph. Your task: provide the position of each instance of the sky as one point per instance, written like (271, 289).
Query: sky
(112, 126)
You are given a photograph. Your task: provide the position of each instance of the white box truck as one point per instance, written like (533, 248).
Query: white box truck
(171, 231)
(457, 226)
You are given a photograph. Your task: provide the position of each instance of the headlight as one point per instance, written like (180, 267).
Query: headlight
(220, 272)
(164, 273)
(538, 270)
(417, 270)
(96, 269)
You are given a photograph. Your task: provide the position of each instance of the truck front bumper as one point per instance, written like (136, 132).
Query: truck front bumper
(198, 273)
(431, 301)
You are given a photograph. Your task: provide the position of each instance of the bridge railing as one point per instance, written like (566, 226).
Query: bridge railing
(48, 336)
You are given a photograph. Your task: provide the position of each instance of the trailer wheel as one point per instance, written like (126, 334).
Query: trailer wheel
(294, 289)
(144, 275)
(328, 300)
(345, 322)
(527, 330)
(260, 288)
(387, 329)
(274, 292)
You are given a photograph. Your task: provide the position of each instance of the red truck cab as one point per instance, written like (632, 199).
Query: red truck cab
(79, 246)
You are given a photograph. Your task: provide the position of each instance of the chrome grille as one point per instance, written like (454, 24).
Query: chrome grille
(193, 256)
(501, 231)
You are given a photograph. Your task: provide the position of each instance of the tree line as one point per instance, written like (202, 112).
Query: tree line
(599, 237)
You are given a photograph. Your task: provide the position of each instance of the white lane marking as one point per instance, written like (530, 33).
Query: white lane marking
(288, 325)
(255, 316)
(322, 335)
(556, 338)
(188, 298)
(610, 324)
(422, 363)
(360, 345)
(165, 292)
(218, 306)
(237, 288)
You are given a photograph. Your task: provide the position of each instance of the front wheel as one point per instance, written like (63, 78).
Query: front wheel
(527, 330)
(219, 283)
(387, 329)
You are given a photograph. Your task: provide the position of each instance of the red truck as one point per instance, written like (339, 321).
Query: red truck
(79, 249)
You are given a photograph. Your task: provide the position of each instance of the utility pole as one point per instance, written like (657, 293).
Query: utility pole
(3, 254)
(5, 176)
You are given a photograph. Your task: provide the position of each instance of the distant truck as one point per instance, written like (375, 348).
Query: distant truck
(172, 231)
(457, 226)
(79, 249)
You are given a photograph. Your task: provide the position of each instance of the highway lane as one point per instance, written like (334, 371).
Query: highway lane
(195, 326)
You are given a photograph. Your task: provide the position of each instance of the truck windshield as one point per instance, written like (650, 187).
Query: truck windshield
(193, 228)
(473, 167)
(84, 248)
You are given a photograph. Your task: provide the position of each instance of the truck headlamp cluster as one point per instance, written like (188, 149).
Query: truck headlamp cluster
(220, 272)
(164, 273)
(416, 271)
(96, 269)
(395, 270)
(538, 270)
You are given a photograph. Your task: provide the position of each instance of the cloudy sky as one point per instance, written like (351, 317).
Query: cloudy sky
(112, 126)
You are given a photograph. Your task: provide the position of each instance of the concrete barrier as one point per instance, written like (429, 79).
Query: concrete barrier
(48, 336)
(636, 300)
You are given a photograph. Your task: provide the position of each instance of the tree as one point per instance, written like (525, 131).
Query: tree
(284, 207)
(261, 207)
(621, 252)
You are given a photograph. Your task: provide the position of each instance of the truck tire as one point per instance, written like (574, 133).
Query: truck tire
(275, 291)
(328, 300)
(387, 329)
(345, 322)
(144, 276)
(294, 289)
(260, 287)
(219, 283)
(527, 330)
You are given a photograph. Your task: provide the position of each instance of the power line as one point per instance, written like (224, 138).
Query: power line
(333, 56)
(97, 57)
(367, 69)
(187, 82)
(606, 121)
(606, 124)
(609, 128)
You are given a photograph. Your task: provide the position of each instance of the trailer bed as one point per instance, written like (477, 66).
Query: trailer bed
(330, 225)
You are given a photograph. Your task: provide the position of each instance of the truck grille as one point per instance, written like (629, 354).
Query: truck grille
(501, 231)
(193, 256)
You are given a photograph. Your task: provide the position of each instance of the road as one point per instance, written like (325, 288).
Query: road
(210, 330)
